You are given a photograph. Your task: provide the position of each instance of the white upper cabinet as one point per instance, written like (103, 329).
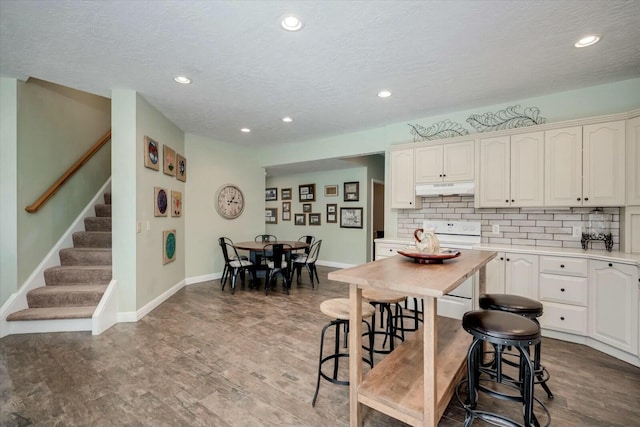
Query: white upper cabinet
(603, 164)
(527, 169)
(445, 163)
(403, 186)
(512, 170)
(563, 167)
(585, 166)
(633, 161)
(495, 167)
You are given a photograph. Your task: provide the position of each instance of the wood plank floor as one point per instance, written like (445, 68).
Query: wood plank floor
(209, 358)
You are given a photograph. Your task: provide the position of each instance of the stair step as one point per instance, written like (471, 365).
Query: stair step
(85, 256)
(102, 210)
(97, 223)
(107, 197)
(65, 296)
(50, 313)
(78, 275)
(92, 239)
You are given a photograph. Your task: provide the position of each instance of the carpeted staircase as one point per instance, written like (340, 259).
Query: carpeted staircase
(74, 289)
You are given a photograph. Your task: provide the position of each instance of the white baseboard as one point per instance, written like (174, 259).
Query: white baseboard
(47, 326)
(106, 314)
(334, 264)
(134, 316)
(203, 278)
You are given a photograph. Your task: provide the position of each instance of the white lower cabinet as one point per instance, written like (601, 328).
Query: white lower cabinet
(495, 275)
(564, 293)
(385, 249)
(613, 304)
(521, 274)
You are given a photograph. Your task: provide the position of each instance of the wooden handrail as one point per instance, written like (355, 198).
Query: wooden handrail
(68, 174)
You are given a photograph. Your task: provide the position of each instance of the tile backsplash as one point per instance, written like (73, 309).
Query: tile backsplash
(518, 226)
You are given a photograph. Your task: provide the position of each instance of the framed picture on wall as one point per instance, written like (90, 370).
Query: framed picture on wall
(286, 211)
(151, 154)
(176, 203)
(330, 190)
(332, 213)
(352, 191)
(350, 217)
(306, 207)
(286, 194)
(300, 219)
(160, 201)
(181, 172)
(271, 215)
(314, 219)
(169, 160)
(307, 193)
(168, 246)
(271, 194)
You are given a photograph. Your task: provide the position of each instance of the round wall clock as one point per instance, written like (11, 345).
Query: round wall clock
(229, 201)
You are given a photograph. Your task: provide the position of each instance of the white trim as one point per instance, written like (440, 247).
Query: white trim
(18, 300)
(134, 316)
(106, 314)
(334, 264)
(50, 325)
(203, 278)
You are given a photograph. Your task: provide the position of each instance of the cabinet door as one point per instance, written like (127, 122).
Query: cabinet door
(603, 163)
(522, 275)
(613, 304)
(563, 167)
(495, 275)
(403, 188)
(527, 169)
(429, 164)
(494, 172)
(458, 163)
(633, 162)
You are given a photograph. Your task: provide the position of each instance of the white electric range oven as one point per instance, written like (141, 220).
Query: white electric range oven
(457, 235)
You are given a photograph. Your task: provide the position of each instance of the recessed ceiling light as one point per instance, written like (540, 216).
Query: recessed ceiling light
(384, 94)
(287, 119)
(182, 80)
(245, 130)
(291, 23)
(587, 41)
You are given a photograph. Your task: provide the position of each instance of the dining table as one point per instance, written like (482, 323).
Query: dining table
(256, 250)
(415, 382)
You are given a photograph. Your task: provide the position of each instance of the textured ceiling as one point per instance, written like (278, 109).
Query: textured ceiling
(435, 56)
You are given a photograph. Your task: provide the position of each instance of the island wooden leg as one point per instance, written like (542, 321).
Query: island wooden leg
(355, 354)
(430, 350)
(482, 280)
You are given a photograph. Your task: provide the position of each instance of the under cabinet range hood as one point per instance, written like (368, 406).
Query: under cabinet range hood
(445, 189)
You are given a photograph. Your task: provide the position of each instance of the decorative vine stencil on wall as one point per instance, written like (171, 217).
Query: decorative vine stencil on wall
(508, 118)
(443, 129)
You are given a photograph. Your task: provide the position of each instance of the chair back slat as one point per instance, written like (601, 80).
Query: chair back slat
(314, 251)
(264, 238)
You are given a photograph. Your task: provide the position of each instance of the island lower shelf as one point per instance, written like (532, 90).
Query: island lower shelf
(395, 386)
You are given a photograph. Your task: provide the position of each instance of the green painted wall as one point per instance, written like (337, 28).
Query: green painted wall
(212, 164)
(56, 126)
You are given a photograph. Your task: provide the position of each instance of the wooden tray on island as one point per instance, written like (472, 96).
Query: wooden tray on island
(425, 258)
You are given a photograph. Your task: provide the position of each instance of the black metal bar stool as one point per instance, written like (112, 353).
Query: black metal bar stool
(529, 308)
(500, 329)
(338, 309)
(383, 300)
(411, 322)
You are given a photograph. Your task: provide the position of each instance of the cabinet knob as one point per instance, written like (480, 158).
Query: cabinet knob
(610, 265)
(561, 265)
(440, 175)
(444, 174)
(561, 317)
(512, 200)
(508, 259)
(506, 201)
(561, 289)
(502, 259)
(390, 250)
(586, 198)
(578, 198)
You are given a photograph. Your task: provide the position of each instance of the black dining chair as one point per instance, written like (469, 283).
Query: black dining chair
(309, 261)
(309, 241)
(279, 264)
(265, 238)
(235, 265)
(227, 270)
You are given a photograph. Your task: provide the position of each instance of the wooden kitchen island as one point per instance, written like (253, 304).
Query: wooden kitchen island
(415, 382)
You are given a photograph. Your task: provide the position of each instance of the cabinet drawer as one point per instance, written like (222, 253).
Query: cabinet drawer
(561, 265)
(387, 250)
(566, 318)
(563, 289)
